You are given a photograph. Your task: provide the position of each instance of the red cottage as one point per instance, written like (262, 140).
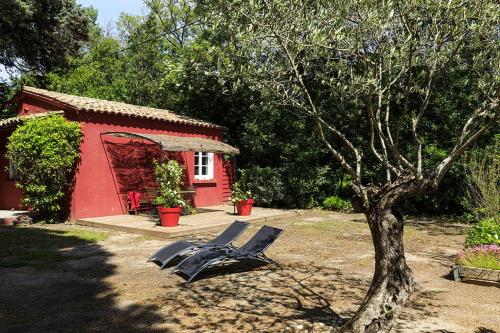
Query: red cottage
(119, 144)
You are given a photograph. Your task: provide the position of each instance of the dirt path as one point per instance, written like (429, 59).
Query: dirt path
(325, 269)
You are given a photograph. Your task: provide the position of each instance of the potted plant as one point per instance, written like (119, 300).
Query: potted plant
(242, 198)
(169, 200)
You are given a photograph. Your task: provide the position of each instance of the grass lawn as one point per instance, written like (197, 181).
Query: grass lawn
(42, 247)
(65, 278)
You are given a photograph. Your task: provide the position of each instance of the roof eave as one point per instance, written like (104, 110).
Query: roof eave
(187, 123)
(45, 99)
(13, 122)
(165, 141)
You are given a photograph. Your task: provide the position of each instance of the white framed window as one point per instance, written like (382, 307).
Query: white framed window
(203, 166)
(12, 172)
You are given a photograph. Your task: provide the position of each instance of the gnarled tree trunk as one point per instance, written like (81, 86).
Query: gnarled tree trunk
(392, 282)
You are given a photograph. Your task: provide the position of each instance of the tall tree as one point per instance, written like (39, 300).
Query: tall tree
(40, 34)
(377, 65)
(37, 36)
(98, 72)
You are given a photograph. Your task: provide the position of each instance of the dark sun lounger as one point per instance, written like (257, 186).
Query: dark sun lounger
(164, 255)
(251, 250)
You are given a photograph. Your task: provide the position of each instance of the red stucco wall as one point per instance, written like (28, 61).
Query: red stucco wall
(31, 106)
(95, 192)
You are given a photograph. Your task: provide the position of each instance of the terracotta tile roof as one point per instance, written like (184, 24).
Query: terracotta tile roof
(8, 122)
(117, 108)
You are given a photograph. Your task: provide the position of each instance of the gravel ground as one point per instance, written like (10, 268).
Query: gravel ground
(325, 266)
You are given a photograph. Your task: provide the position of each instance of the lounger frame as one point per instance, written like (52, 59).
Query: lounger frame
(228, 253)
(199, 246)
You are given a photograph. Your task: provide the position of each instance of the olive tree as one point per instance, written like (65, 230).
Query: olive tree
(364, 73)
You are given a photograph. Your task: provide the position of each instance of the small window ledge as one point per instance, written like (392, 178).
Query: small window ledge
(204, 181)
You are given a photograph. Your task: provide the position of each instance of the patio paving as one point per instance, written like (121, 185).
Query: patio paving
(209, 219)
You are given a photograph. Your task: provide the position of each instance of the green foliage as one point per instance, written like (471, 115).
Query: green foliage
(448, 199)
(274, 140)
(483, 181)
(40, 34)
(287, 186)
(336, 203)
(45, 151)
(308, 188)
(169, 177)
(239, 193)
(95, 74)
(486, 232)
(264, 183)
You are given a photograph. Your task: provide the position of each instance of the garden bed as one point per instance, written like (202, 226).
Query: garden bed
(474, 273)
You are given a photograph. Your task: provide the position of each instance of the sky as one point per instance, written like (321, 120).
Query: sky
(108, 11)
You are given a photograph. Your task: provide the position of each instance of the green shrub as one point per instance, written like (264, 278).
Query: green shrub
(485, 232)
(336, 203)
(288, 186)
(448, 197)
(44, 152)
(264, 183)
(483, 179)
(307, 188)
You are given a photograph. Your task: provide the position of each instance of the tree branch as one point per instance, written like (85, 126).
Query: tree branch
(466, 139)
(356, 174)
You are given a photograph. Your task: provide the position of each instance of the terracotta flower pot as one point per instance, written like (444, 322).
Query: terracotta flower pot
(244, 207)
(169, 217)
